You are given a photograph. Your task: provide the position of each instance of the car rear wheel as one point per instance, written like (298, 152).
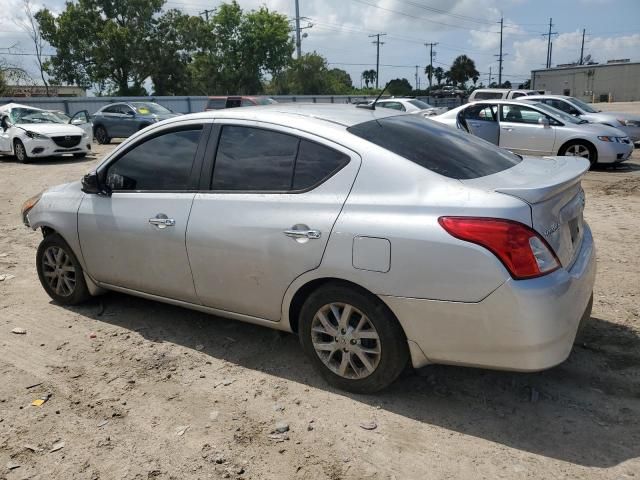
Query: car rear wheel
(20, 152)
(352, 339)
(60, 272)
(580, 149)
(101, 135)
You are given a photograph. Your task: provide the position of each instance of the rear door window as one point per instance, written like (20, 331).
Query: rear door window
(441, 149)
(520, 114)
(316, 163)
(487, 95)
(216, 103)
(233, 102)
(487, 113)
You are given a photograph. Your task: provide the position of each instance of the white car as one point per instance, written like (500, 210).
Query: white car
(81, 119)
(537, 129)
(29, 132)
(411, 105)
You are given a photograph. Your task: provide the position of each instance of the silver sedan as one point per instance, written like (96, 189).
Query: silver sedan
(336, 223)
(538, 129)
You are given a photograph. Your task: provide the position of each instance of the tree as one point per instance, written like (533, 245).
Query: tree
(399, 87)
(340, 81)
(32, 29)
(462, 69)
(101, 42)
(526, 85)
(369, 76)
(429, 71)
(10, 73)
(438, 72)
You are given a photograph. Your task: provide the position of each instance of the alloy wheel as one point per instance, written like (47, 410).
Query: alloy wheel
(20, 152)
(345, 340)
(59, 271)
(578, 150)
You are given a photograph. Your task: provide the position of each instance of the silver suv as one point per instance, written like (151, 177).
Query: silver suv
(337, 223)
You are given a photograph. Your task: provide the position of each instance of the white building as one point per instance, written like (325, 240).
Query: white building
(614, 81)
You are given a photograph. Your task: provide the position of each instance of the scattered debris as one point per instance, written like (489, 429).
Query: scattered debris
(2, 255)
(225, 382)
(278, 437)
(56, 447)
(214, 414)
(180, 431)
(370, 425)
(38, 402)
(19, 331)
(535, 395)
(12, 465)
(34, 385)
(92, 335)
(6, 276)
(199, 347)
(278, 408)
(32, 448)
(103, 423)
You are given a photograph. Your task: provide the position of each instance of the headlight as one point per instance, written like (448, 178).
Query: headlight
(614, 139)
(36, 136)
(27, 206)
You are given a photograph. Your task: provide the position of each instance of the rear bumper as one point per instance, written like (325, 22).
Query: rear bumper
(524, 325)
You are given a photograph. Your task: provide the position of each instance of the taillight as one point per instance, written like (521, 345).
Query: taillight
(521, 249)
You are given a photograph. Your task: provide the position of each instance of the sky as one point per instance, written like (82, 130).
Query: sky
(340, 32)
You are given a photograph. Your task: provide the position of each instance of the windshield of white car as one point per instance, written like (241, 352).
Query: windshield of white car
(565, 117)
(30, 115)
(436, 147)
(420, 104)
(583, 105)
(62, 116)
(145, 108)
(264, 101)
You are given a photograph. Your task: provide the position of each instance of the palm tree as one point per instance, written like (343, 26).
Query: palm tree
(369, 76)
(438, 72)
(462, 69)
(429, 71)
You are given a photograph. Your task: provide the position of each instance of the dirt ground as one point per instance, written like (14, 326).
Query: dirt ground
(144, 390)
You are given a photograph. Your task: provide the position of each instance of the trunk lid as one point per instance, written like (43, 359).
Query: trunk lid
(551, 186)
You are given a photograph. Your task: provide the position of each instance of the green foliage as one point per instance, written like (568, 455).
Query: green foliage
(399, 87)
(3, 85)
(463, 69)
(526, 85)
(310, 75)
(438, 72)
(369, 77)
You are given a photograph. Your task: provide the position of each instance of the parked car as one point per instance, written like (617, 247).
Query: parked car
(500, 94)
(28, 132)
(121, 120)
(217, 103)
(448, 91)
(537, 129)
(81, 119)
(411, 105)
(335, 222)
(629, 123)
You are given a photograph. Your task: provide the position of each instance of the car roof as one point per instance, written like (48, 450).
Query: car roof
(548, 96)
(345, 115)
(10, 106)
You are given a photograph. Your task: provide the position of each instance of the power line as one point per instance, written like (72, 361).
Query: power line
(377, 43)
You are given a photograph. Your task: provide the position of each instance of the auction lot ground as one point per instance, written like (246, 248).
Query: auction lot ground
(167, 393)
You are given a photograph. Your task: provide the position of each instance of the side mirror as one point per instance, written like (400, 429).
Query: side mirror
(131, 113)
(77, 121)
(5, 123)
(544, 121)
(91, 184)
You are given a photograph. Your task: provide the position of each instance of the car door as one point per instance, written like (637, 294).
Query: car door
(81, 119)
(521, 132)
(129, 122)
(5, 132)
(134, 238)
(112, 120)
(482, 121)
(274, 197)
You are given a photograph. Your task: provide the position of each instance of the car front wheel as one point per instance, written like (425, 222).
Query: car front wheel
(580, 149)
(352, 339)
(101, 135)
(20, 151)
(60, 272)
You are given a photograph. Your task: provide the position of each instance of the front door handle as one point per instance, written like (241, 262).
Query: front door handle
(162, 221)
(301, 233)
(508, 129)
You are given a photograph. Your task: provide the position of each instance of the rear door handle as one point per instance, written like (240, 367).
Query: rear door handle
(162, 221)
(508, 129)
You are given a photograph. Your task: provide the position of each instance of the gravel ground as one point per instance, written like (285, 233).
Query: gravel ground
(144, 390)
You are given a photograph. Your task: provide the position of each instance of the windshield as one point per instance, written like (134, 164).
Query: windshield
(62, 116)
(436, 147)
(145, 108)
(264, 101)
(565, 117)
(583, 105)
(30, 115)
(420, 104)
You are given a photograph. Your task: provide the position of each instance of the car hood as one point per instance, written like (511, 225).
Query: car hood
(52, 128)
(610, 116)
(597, 129)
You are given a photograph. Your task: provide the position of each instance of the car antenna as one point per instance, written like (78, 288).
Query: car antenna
(372, 106)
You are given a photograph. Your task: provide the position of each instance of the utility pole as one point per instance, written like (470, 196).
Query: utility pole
(298, 40)
(549, 42)
(430, 47)
(500, 54)
(377, 42)
(206, 14)
(550, 53)
(417, 86)
(582, 47)
(489, 84)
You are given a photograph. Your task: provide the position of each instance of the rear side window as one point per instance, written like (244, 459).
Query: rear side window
(487, 95)
(111, 109)
(436, 147)
(316, 163)
(216, 103)
(254, 159)
(161, 163)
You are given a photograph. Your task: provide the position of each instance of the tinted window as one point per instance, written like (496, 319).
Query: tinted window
(315, 163)
(111, 109)
(439, 148)
(393, 105)
(247, 103)
(233, 102)
(487, 95)
(254, 159)
(161, 163)
(487, 113)
(518, 94)
(519, 114)
(216, 103)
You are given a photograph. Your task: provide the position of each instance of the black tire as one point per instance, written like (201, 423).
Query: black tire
(80, 155)
(64, 295)
(101, 135)
(394, 352)
(593, 153)
(20, 152)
